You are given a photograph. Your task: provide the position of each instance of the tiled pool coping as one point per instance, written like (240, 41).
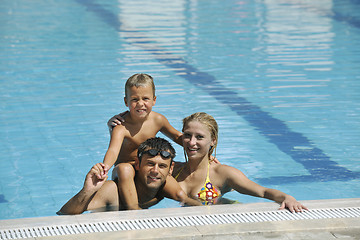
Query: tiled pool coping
(323, 228)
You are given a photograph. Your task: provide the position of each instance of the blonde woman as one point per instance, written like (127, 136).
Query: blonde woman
(206, 181)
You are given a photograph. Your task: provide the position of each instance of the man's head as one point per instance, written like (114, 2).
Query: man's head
(155, 162)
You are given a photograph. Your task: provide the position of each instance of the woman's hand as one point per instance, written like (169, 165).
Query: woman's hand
(214, 159)
(291, 204)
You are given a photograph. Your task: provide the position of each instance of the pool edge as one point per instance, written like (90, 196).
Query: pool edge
(327, 228)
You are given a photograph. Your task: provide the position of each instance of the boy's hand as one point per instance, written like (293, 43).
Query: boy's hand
(105, 171)
(212, 158)
(116, 120)
(95, 178)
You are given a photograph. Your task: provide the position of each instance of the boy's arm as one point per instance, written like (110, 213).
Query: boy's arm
(93, 182)
(173, 190)
(117, 137)
(169, 130)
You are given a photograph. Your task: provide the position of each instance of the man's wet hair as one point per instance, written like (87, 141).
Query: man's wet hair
(157, 143)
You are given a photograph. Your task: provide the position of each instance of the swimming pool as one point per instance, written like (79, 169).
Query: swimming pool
(281, 78)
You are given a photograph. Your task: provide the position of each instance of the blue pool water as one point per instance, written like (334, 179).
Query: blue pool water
(282, 78)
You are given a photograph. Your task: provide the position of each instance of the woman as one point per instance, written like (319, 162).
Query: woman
(207, 181)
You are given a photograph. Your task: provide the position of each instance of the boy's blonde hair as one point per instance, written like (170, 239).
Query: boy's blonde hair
(209, 122)
(139, 80)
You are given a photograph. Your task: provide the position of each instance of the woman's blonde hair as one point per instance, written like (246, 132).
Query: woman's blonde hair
(209, 122)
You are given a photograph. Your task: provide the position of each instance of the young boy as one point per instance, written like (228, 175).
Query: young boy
(140, 123)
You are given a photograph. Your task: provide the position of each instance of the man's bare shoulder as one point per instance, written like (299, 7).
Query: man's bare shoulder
(110, 186)
(106, 196)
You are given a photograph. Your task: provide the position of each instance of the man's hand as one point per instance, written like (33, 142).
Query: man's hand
(116, 120)
(95, 178)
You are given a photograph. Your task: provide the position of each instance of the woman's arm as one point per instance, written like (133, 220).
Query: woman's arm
(286, 200)
(238, 181)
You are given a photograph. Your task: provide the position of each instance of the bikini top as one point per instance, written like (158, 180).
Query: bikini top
(208, 194)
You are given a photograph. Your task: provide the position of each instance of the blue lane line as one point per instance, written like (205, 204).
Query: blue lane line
(294, 144)
(347, 19)
(297, 146)
(2, 199)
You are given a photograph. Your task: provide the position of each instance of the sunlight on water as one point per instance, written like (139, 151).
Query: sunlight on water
(280, 77)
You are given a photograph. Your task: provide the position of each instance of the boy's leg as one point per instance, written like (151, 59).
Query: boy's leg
(126, 186)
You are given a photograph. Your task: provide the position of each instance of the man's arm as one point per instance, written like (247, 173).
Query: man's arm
(93, 182)
(173, 191)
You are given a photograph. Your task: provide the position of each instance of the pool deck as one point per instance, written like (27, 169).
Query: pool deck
(325, 228)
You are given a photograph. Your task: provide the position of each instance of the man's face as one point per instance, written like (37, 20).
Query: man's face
(153, 170)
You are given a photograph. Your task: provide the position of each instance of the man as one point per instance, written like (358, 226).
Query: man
(155, 164)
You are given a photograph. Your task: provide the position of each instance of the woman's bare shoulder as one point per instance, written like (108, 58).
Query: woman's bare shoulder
(224, 169)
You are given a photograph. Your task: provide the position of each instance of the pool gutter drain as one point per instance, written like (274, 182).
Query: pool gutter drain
(181, 221)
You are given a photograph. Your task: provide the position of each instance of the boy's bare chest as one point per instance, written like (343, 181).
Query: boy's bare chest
(132, 140)
(145, 132)
(137, 135)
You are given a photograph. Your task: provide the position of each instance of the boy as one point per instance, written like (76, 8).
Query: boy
(140, 123)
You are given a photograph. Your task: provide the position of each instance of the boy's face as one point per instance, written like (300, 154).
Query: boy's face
(140, 100)
(154, 170)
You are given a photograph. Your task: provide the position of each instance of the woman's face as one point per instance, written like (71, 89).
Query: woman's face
(196, 140)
